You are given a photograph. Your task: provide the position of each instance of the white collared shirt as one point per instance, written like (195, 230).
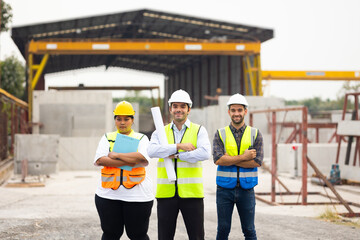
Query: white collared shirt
(201, 153)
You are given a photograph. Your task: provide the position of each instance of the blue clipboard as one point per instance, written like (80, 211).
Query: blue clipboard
(125, 144)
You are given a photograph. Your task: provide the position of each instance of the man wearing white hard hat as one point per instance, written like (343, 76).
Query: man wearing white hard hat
(238, 152)
(188, 146)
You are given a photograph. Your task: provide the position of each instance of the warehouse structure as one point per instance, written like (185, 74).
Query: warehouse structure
(195, 54)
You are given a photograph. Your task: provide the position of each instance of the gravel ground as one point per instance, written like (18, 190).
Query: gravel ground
(270, 227)
(65, 209)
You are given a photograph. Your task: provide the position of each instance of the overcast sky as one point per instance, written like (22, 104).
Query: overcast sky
(309, 35)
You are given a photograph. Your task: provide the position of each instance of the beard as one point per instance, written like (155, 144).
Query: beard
(238, 120)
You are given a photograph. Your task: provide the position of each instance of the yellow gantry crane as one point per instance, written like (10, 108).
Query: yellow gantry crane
(312, 75)
(132, 47)
(249, 50)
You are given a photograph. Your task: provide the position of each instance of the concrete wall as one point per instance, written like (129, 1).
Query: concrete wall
(73, 113)
(322, 154)
(41, 152)
(77, 153)
(79, 118)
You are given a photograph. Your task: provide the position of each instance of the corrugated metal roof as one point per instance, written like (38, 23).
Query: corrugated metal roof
(141, 24)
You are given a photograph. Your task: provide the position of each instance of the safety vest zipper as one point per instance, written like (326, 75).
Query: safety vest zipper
(238, 169)
(121, 177)
(175, 160)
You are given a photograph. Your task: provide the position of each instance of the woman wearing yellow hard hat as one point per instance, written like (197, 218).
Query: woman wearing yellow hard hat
(124, 196)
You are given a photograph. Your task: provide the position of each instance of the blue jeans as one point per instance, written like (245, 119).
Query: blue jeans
(245, 204)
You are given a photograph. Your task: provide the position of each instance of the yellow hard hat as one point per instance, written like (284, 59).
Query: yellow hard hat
(124, 108)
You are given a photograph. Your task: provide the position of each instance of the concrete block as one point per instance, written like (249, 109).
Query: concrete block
(336, 116)
(72, 119)
(197, 115)
(41, 151)
(37, 168)
(323, 155)
(77, 153)
(62, 112)
(349, 128)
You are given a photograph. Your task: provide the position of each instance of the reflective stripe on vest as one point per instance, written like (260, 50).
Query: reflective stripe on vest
(179, 181)
(113, 177)
(181, 165)
(189, 175)
(227, 176)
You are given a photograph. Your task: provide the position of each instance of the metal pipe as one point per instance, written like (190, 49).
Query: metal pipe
(319, 174)
(273, 158)
(304, 156)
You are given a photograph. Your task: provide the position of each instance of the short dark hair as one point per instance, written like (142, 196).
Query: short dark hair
(239, 104)
(185, 103)
(127, 116)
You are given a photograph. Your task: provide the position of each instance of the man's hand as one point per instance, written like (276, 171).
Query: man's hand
(185, 146)
(249, 154)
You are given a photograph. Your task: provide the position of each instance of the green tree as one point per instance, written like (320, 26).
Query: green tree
(317, 105)
(145, 103)
(13, 76)
(6, 16)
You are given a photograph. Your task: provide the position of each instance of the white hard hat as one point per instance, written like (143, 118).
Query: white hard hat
(180, 96)
(237, 99)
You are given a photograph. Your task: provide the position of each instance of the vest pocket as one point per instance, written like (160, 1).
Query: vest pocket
(110, 177)
(248, 182)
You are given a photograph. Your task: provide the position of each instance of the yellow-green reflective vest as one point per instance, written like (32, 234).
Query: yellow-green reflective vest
(229, 176)
(189, 181)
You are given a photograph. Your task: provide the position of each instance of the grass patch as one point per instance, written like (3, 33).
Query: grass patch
(331, 216)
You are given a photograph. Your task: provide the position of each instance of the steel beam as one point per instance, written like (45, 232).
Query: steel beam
(144, 47)
(312, 75)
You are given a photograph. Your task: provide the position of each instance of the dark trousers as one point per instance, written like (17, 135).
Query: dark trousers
(115, 214)
(192, 210)
(244, 199)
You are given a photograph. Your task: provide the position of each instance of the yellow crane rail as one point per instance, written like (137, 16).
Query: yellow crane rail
(146, 47)
(312, 75)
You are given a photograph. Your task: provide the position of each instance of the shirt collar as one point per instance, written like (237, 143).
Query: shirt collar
(233, 129)
(185, 125)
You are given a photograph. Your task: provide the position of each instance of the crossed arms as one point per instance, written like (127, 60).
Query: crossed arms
(249, 159)
(114, 159)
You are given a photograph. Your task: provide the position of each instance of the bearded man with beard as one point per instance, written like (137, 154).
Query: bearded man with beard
(238, 152)
(188, 146)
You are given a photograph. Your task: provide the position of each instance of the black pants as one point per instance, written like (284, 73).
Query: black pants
(115, 214)
(192, 210)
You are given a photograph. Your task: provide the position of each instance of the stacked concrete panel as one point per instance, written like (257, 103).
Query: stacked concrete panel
(322, 154)
(77, 153)
(79, 118)
(40, 151)
(73, 113)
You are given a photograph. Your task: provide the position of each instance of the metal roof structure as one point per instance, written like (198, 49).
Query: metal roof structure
(134, 25)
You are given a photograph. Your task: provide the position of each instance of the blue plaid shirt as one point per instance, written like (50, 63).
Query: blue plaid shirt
(218, 145)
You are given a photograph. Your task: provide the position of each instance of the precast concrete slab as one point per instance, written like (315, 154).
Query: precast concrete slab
(41, 152)
(77, 153)
(322, 154)
(73, 113)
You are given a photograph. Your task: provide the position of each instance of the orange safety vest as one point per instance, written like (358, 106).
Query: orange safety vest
(113, 177)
